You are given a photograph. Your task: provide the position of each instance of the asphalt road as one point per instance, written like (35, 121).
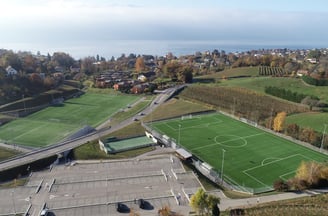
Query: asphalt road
(65, 146)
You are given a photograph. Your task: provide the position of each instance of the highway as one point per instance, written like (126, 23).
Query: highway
(29, 157)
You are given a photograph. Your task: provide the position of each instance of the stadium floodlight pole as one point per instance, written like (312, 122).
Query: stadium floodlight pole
(13, 199)
(24, 103)
(223, 151)
(179, 134)
(323, 137)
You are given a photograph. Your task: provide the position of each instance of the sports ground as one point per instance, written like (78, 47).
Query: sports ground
(252, 158)
(55, 123)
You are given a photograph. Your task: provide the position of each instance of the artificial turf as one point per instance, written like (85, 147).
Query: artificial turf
(55, 123)
(253, 158)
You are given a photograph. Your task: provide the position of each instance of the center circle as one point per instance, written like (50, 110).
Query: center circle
(231, 141)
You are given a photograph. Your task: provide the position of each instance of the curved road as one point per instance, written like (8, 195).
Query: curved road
(68, 145)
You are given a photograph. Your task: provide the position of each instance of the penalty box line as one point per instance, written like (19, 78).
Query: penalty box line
(251, 176)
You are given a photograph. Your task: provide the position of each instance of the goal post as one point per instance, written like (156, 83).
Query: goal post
(184, 117)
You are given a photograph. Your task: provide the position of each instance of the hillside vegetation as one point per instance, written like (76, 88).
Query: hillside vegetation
(314, 120)
(246, 103)
(315, 205)
(293, 84)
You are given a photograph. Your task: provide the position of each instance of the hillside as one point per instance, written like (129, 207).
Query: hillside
(295, 85)
(315, 205)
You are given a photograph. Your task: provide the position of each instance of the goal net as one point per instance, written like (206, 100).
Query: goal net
(186, 117)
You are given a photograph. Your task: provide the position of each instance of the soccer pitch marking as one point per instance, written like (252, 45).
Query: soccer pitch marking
(277, 160)
(270, 159)
(30, 131)
(227, 141)
(187, 121)
(286, 174)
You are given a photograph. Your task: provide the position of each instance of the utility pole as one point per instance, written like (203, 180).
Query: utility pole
(323, 137)
(13, 198)
(24, 103)
(179, 134)
(223, 151)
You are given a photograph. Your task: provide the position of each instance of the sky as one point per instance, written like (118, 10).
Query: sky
(55, 24)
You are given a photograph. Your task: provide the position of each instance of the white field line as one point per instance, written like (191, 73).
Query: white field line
(34, 129)
(219, 143)
(281, 159)
(255, 179)
(285, 174)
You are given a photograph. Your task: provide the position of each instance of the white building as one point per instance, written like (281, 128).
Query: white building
(11, 71)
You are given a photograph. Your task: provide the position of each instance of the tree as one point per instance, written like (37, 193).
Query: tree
(314, 54)
(166, 211)
(140, 65)
(87, 65)
(281, 185)
(293, 130)
(185, 74)
(63, 59)
(278, 121)
(203, 203)
(11, 59)
(310, 173)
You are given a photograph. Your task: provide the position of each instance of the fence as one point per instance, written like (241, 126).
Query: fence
(210, 173)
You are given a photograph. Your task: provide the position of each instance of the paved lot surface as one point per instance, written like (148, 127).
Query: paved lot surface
(95, 188)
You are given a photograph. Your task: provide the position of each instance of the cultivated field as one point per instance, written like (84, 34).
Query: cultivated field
(253, 159)
(57, 122)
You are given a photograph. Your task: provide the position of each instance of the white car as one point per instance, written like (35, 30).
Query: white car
(44, 212)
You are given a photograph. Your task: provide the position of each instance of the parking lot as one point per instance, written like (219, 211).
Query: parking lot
(96, 187)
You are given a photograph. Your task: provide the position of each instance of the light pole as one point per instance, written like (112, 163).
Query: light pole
(179, 134)
(24, 103)
(12, 196)
(323, 137)
(223, 151)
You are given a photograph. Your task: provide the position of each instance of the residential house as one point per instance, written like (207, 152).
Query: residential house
(302, 73)
(11, 71)
(139, 89)
(142, 78)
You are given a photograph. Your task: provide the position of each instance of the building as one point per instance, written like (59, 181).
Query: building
(11, 71)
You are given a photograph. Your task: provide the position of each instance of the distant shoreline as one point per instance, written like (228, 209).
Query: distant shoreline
(116, 48)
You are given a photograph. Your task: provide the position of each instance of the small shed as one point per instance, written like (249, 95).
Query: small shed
(183, 154)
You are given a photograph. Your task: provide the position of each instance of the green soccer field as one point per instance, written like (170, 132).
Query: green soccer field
(54, 123)
(253, 159)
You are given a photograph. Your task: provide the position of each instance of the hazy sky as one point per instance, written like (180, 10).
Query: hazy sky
(59, 23)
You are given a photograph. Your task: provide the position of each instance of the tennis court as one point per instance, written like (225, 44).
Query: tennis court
(250, 157)
(113, 146)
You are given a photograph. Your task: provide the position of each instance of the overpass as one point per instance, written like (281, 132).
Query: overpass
(61, 147)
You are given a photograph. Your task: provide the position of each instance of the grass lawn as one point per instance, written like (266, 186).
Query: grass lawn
(57, 122)
(254, 159)
(7, 153)
(127, 113)
(293, 84)
(234, 72)
(312, 120)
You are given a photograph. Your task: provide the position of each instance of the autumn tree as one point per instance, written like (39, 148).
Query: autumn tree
(171, 69)
(185, 74)
(278, 121)
(87, 65)
(140, 65)
(62, 59)
(11, 59)
(203, 203)
(29, 64)
(311, 174)
(309, 135)
(166, 211)
(293, 130)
